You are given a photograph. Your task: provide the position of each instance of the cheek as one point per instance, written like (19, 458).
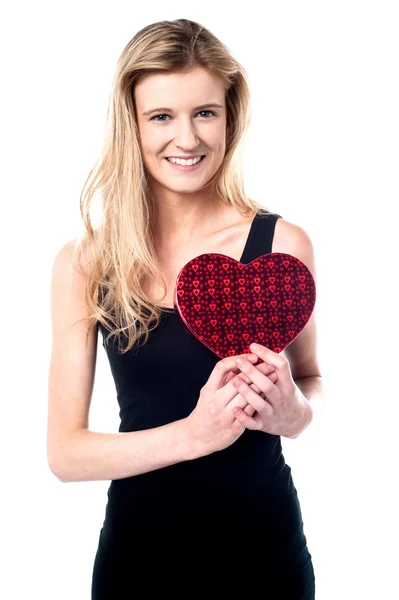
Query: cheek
(151, 139)
(218, 144)
(217, 139)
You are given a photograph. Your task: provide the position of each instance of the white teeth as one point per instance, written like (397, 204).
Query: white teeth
(181, 161)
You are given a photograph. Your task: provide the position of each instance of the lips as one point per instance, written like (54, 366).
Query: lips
(191, 158)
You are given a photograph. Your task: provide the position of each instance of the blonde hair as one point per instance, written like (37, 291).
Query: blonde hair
(120, 251)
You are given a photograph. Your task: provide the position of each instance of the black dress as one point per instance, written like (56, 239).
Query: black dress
(231, 518)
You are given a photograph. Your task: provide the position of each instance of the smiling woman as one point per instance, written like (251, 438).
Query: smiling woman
(184, 131)
(199, 482)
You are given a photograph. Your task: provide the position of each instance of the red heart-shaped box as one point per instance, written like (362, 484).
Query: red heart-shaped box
(228, 305)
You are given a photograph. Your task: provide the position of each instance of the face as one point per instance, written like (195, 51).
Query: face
(181, 128)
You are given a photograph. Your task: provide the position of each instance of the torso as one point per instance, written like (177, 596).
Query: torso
(230, 241)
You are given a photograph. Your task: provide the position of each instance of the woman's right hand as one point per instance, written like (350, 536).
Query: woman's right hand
(212, 424)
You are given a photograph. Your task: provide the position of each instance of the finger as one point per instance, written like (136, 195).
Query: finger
(255, 423)
(266, 370)
(249, 410)
(259, 404)
(242, 403)
(262, 367)
(246, 379)
(270, 390)
(278, 361)
(273, 376)
(217, 377)
(250, 357)
(232, 376)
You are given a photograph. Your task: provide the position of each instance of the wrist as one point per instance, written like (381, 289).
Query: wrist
(306, 416)
(193, 448)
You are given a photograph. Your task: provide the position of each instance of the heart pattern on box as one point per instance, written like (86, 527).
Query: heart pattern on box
(227, 305)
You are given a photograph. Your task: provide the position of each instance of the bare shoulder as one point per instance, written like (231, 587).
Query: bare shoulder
(293, 239)
(72, 262)
(72, 256)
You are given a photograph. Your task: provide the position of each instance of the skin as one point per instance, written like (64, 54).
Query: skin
(183, 209)
(284, 408)
(274, 394)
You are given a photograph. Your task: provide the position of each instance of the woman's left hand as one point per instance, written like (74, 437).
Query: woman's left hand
(285, 410)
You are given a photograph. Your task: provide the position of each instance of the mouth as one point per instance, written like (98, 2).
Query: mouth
(186, 167)
(202, 158)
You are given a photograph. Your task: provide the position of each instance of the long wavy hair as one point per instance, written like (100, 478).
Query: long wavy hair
(119, 254)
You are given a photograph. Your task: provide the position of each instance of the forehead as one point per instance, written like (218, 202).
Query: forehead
(196, 86)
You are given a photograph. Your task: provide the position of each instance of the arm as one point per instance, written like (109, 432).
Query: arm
(74, 452)
(302, 352)
(312, 388)
(89, 455)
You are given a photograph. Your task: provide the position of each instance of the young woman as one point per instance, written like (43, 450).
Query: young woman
(200, 490)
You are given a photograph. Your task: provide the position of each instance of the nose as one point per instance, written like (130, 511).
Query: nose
(186, 136)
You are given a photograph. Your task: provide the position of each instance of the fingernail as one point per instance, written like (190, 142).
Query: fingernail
(255, 346)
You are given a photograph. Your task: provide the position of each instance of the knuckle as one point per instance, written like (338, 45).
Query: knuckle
(212, 409)
(220, 365)
(282, 361)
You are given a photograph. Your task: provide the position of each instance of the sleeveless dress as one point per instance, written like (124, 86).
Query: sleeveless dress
(236, 509)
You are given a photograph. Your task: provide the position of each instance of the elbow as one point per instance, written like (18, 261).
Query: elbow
(55, 466)
(55, 471)
(59, 458)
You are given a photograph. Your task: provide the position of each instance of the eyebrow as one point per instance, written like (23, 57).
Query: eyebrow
(163, 108)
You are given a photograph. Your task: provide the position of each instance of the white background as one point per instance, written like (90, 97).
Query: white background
(323, 152)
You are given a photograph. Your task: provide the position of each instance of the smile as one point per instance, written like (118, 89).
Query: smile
(185, 165)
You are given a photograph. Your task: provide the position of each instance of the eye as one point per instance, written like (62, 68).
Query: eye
(207, 111)
(155, 117)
